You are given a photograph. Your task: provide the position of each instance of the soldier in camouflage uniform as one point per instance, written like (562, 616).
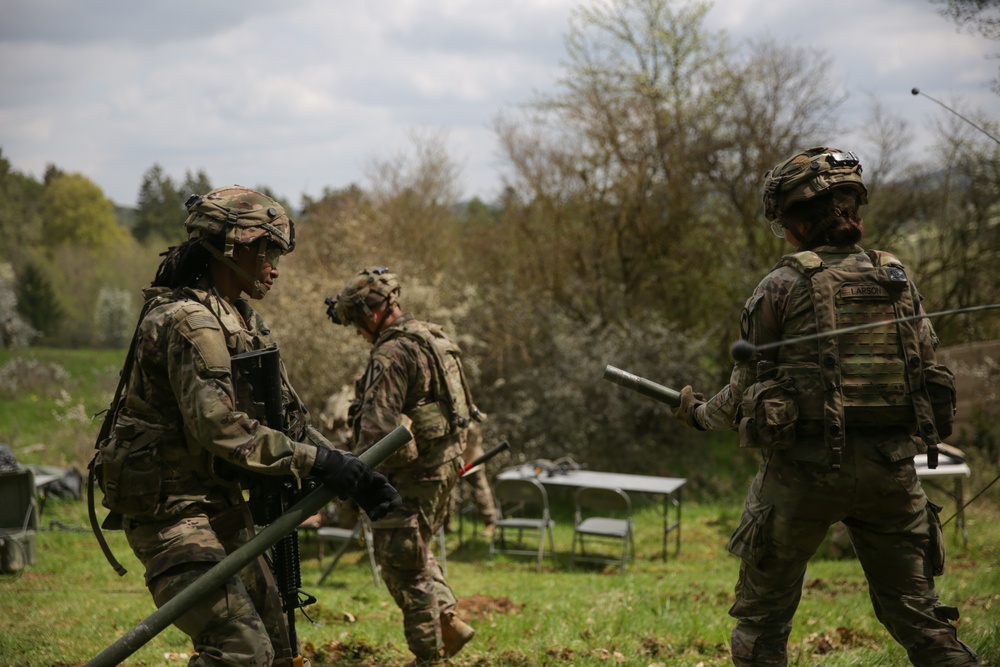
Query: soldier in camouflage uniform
(835, 420)
(186, 432)
(478, 484)
(414, 371)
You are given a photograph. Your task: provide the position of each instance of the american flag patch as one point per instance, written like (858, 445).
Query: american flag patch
(202, 322)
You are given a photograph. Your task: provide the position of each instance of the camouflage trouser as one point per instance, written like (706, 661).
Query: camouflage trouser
(403, 549)
(238, 624)
(896, 534)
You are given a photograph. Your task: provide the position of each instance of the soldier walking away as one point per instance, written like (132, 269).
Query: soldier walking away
(185, 434)
(415, 371)
(836, 421)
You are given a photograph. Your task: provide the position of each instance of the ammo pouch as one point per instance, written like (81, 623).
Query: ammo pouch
(769, 412)
(940, 384)
(429, 422)
(129, 468)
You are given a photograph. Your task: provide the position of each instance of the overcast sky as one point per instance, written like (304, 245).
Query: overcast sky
(300, 95)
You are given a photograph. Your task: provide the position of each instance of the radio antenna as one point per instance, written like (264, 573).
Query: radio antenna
(916, 91)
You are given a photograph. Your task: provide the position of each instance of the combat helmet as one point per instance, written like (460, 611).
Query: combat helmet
(369, 287)
(808, 174)
(241, 216)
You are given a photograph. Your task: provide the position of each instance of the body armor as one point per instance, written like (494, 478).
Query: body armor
(870, 377)
(453, 408)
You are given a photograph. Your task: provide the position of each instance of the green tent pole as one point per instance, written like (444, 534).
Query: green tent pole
(156, 622)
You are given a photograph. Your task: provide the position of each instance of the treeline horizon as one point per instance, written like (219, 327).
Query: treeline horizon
(629, 231)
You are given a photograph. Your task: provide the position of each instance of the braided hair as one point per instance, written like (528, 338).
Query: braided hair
(183, 265)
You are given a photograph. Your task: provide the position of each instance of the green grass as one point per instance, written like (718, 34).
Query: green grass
(70, 605)
(47, 407)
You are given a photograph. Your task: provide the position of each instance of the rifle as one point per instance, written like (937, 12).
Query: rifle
(271, 497)
(156, 622)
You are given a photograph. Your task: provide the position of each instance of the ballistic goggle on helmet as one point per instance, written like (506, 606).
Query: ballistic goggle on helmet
(241, 216)
(808, 174)
(369, 287)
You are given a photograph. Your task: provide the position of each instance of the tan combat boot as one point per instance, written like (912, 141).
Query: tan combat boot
(455, 633)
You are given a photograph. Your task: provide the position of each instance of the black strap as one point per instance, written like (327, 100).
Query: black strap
(109, 419)
(94, 526)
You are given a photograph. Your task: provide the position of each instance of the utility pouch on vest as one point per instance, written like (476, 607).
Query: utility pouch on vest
(429, 422)
(130, 469)
(769, 412)
(940, 383)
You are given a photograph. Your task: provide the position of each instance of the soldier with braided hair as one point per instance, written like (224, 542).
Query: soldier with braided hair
(187, 436)
(838, 421)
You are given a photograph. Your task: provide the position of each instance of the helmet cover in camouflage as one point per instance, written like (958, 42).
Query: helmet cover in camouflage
(367, 288)
(241, 215)
(805, 175)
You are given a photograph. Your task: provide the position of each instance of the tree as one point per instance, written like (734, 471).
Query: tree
(650, 151)
(197, 183)
(76, 212)
(15, 331)
(976, 16)
(953, 235)
(37, 300)
(416, 192)
(608, 167)
(20, 210)
(160, 208)
(114, 316)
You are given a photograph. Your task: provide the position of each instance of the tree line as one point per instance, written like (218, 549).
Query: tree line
(628, 231)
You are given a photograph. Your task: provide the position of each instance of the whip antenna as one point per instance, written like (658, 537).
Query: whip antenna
(916, 91)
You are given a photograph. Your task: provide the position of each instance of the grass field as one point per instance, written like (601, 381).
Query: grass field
(70, 605)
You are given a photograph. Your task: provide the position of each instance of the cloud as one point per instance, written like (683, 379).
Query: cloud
(301, 95)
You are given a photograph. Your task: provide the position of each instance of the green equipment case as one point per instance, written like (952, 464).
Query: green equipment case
(18, 521)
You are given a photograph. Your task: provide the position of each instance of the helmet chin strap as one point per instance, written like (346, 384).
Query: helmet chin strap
(259, 289)
(378, 325)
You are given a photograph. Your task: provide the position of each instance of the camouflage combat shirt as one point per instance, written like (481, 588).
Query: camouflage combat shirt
(181, 403)
(400, 380)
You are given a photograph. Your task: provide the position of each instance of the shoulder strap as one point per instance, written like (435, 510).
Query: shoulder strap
(806, 262)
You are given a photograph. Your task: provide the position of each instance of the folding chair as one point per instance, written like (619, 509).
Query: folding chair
(522, 505)
(347, 536)
(606, 516)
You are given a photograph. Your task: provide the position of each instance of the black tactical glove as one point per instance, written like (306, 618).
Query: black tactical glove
(690, 400)
(341, 471)
(378, 498)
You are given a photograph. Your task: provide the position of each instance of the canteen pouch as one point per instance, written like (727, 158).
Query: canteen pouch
(429, 422)
(769, 412)
(130, 469)
(940, 384)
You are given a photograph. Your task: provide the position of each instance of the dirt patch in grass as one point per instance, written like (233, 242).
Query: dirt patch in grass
(832, 588)
(337, 652)
(821, 643)
(486, 606)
